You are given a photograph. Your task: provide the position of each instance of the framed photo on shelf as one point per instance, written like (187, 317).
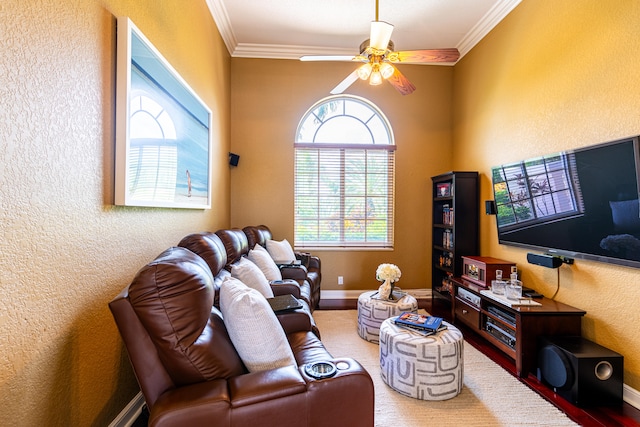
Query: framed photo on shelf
(163, 130)
(443, 189)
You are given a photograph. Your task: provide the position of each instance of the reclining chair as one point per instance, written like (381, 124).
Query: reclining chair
(310, 268)
(191, 374)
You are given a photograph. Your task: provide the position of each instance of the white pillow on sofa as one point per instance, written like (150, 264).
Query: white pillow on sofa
(281, 251)
(253, 327)
(251, 275)
(260, 257)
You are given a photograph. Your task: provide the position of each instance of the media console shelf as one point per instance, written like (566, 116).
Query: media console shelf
(513, 330)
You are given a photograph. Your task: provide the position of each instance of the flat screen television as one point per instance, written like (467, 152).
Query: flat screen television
(578, 204)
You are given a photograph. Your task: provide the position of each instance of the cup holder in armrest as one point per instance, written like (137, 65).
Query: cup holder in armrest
(320, 370)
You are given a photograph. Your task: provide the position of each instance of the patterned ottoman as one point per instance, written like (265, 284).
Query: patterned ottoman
(426, 368)
(373, 311)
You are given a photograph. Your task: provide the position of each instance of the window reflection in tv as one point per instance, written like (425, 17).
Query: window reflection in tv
(581, 203)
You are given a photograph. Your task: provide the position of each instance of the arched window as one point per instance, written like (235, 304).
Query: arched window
(153, 150)
(344, 176)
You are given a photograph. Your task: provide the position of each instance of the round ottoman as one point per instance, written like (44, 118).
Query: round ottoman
(373, 311)
(426, 368)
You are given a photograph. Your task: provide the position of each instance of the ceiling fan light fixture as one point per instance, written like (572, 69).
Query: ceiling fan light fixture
(378, 56)
(386, 70)
(376, 78)
(364, 71)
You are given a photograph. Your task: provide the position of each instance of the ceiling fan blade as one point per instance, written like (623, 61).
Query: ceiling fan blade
(343, 85)
(347, 58)
(425, 55)
(401, 83)
(380, 34)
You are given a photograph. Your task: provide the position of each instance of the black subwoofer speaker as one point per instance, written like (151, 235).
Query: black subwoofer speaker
(581, 371)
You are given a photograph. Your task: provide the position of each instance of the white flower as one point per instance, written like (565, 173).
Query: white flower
(389, 272)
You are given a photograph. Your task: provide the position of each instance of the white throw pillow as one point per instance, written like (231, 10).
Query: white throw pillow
(281, 251)
(254, 328)
(260, 257)
(251, 275)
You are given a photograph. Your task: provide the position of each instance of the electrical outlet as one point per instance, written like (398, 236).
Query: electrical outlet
(340, 280)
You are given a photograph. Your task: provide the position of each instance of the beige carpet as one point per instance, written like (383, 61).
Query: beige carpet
(491, 396)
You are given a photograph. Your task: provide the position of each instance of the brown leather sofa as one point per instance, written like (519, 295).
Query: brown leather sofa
(220, 250)
(310, 268)
(190, 373)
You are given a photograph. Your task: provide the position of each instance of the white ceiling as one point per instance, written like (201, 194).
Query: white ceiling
(288, 29)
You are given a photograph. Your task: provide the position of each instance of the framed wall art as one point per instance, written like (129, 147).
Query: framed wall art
(163, 130)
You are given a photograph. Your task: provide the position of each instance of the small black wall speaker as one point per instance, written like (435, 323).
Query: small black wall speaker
(544, 260)
(490, 207)
(581, 371)
(234, 159)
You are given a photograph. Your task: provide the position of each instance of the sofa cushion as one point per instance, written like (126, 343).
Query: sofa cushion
(210, 248)
(257, 234)
(281, 250)
(235, 243)
(254, 328)
(173, 297)
(251, 275)
(260, 257)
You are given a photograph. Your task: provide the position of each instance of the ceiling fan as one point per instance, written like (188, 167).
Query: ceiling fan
(379, 58)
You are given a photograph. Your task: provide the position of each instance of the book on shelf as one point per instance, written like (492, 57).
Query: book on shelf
(420, 321)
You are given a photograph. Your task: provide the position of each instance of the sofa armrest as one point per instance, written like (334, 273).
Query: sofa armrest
(261, 386)
(311, 262)
(295, 272)
(314, 263)
(285, 287)
(351, 380)
(195, 404)
(295, 321)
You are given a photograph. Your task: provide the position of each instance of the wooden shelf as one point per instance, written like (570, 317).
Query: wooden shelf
(456, 194)
(517, 338)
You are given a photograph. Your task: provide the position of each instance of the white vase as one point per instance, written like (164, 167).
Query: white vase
(386, 290)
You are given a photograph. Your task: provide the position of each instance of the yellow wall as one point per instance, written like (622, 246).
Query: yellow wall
(269, 97)
(555, 75)
(65, 251)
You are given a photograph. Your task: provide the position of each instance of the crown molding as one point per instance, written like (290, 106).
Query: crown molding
(221, 18)
(488, 22)
(264, 51)
(273, 51)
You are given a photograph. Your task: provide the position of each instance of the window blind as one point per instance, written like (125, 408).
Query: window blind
(344, 195)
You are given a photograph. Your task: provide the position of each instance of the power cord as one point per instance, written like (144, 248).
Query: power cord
(557, 284)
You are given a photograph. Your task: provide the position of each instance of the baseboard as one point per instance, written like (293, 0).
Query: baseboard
(334, 294)
(130, 413)
(631, 396)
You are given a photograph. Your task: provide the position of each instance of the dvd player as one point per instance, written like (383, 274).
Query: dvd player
(502, 315)
(502, 335)
(469, 297)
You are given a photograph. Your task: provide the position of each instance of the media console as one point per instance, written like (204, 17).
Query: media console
(514, 330)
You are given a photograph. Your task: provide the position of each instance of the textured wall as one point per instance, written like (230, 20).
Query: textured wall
(555, 75)
(264, 122)
(65, 251)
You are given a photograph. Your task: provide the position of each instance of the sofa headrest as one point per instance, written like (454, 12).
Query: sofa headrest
(173, 298)
(209, 247)
(235, 242)
(257, 234)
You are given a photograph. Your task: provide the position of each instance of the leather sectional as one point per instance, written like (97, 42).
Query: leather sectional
(187, 366)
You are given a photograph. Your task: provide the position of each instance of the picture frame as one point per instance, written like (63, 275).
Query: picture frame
(443, 189)
(163, 130)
